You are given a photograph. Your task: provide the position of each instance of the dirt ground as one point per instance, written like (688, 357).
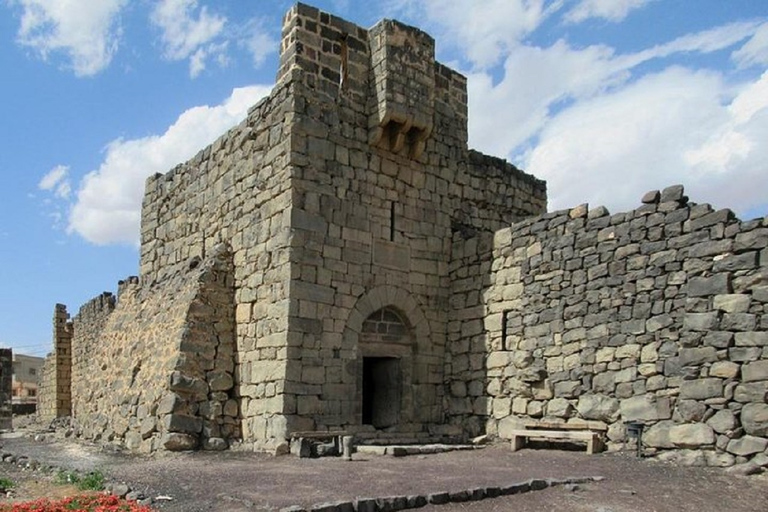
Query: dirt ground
(240, 481)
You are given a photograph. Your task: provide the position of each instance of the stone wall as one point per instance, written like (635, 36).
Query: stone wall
(165, 360)
(6, 386)
(336, 195)
(657, 315)
(55, 396)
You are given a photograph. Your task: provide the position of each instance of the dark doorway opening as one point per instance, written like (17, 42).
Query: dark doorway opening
(381, 391)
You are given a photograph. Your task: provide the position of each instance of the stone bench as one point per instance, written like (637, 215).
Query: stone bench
(593, 439)
(301, 441)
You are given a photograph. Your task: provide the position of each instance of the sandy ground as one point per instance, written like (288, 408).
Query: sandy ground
(240, 481)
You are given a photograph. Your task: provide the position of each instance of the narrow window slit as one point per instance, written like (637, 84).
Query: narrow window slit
(392, 221)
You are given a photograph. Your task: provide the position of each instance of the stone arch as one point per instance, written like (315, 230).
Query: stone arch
(374, 356)
(389, 297)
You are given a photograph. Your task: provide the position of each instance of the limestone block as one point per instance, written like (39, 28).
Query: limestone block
(498, 359)
(501, 407)
(755, 371)
(644, 408)
(754, 419)
(535, 409)
(148, 426)
(751, 339)
(647, 369)
(598, 407)
(723, 421)
(747, 445)
(701, 389)
(628, 350)
(751, 392)
(724, 370)
(559, 408)
(658, 435)
(174, 441)
(691, 435)
(719, 460)
(649, 354)
(605, 355)
(690, 411)
(732, 303)
(519, 406)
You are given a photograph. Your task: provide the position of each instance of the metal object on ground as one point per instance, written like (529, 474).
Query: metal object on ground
(635, 431)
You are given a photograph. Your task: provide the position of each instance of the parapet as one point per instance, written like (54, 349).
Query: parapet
(388, 71)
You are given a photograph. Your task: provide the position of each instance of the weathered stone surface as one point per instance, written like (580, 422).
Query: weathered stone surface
(176, 442)
(754, 419)
(701, 389)
(690, 410)
(724, 370)
(755, 371)
(658, 436)
(644, 408)
(691, 435)
(747, 445)
(559, 408)
(751, 392)
(697, 356)
(598, 407)
(723, 421)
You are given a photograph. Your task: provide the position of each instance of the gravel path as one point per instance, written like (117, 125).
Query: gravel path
(240, 481)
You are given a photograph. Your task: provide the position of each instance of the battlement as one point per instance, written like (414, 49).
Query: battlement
(388, 71)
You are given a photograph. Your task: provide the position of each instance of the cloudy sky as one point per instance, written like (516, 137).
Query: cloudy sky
(605, 99)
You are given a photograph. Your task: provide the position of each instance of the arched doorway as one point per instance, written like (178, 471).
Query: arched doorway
(386, 348)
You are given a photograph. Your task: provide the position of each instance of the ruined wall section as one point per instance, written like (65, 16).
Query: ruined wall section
(236, 191)
(6, 388)
(55, 394)
(165, 360)
(657, 315)
(380, 172)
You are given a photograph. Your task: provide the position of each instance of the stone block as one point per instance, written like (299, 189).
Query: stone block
(645, 408)
(174, 441)
(755, 371)
(717, 284)
(754, 419)
(702, 322)
(751, 339)
(697, 356)
(723, 421)
(701, 389)
(693, 435)
(747, 445)
(751, 392)
(690, 411)
(559, 408)
(183, 423)
(724, 369)
(598, 407)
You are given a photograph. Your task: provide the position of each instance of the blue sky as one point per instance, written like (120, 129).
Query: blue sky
(605, 99)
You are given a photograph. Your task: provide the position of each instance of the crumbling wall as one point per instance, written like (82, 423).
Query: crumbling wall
(657, 315)
(55, 393)
(164, 357)
(6, 388)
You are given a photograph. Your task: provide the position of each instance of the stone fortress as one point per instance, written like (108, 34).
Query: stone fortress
(342, 261)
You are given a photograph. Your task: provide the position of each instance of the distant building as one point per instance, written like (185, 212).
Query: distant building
(26, 375)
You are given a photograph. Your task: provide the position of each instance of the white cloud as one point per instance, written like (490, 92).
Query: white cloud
(87, 32)
(755, 51)
(483, 31)
(108, 205)
(255, 38)
(57, 181)
(188, 32)
(670, 127)
(610, 10)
